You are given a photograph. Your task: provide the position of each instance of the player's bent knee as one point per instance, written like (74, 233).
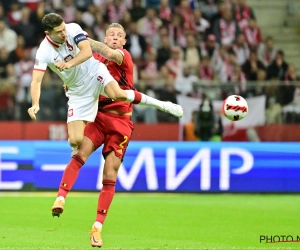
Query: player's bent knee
(75, 141)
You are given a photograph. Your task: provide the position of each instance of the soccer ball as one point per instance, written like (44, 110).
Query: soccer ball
(235, 107)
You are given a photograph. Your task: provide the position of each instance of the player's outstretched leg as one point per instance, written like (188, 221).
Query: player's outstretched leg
(139, 98)
(95, 236)
(58, 206)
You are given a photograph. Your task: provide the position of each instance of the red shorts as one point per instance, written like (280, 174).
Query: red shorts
(114, 131)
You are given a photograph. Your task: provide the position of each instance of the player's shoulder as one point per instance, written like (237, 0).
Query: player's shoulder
(72, 25)
(73, 29)
(45, 46)
(124, 52)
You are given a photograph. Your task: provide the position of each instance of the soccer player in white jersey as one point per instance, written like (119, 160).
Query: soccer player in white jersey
(67, 52)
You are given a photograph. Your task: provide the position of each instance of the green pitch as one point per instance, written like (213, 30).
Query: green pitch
(150, 221)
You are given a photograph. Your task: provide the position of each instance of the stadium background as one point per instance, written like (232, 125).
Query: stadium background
(259, 154)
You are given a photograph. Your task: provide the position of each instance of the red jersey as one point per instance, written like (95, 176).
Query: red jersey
(123, 74)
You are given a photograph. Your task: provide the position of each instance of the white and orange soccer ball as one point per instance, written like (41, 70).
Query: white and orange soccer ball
(235, 107)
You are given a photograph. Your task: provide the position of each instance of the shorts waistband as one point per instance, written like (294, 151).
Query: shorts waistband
(125, 117)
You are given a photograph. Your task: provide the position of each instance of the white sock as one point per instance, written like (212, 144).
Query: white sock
(145, 101)
(97, 224)
(150, 101)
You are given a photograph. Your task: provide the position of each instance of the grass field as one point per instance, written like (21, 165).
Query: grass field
(150, 221)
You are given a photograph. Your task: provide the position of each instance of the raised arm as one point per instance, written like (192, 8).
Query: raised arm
(105, 51)
(35, 91)
(84, 54)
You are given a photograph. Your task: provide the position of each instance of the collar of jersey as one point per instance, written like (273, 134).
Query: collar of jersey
(54, 44)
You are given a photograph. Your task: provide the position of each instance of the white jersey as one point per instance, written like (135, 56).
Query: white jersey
(49, 53)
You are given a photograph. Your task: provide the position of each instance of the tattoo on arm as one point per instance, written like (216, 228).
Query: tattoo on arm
(105, 51)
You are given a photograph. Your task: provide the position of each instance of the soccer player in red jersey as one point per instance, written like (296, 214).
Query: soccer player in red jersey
(112, 127)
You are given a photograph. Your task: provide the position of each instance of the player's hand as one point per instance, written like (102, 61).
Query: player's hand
(61, 66)
(32, 111)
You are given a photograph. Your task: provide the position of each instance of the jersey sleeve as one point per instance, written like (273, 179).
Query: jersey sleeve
(126, 58)
(77, 33)
(40, 60)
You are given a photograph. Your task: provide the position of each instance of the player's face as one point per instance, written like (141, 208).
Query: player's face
(115, 38)
(58, 34)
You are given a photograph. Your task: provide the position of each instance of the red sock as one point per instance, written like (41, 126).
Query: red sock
(105, 198)
(137, 97)
(70, 175)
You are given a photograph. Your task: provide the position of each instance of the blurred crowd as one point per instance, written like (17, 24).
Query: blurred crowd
(190, 47)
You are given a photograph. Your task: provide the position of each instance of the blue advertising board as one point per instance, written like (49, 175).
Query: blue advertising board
(159, 167)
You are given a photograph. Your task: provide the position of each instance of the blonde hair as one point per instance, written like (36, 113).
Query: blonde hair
(116, 25)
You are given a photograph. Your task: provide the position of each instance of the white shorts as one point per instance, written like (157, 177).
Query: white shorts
(84, 106)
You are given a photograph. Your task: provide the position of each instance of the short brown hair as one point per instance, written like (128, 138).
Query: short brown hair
(116, 25)
(51, 21)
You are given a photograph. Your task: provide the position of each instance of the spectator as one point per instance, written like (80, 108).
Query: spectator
(26, 29)
(99, 27)
(88, 16)
(253, 34)
(273, 111)
(8, 37)
(192, 53)
(238, 79)
(206, 71)
(157, 39)
(184, 83)
(37, 15)
(241, 49)
(165, 12)
(3, 15)
(226, 29)
(259, 87)
(23, 71)
(137, 11)
(126, 20)
(164, 51)
(48, 90)
(5, 59)
(210, 48)
(176, 31)
(186, 13)
(221, 64)
(115, 11)
(289, 94)
(136, 44)
(267, 51)
(83, 5)
(69, 11)
(167, 93)
(251, 66)
(149, 73)
(287, 89)
(148, 26)
(175, 63)
(242, 13)
(14, 13)
(202, 25)
(209, 8)
(278, 68)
